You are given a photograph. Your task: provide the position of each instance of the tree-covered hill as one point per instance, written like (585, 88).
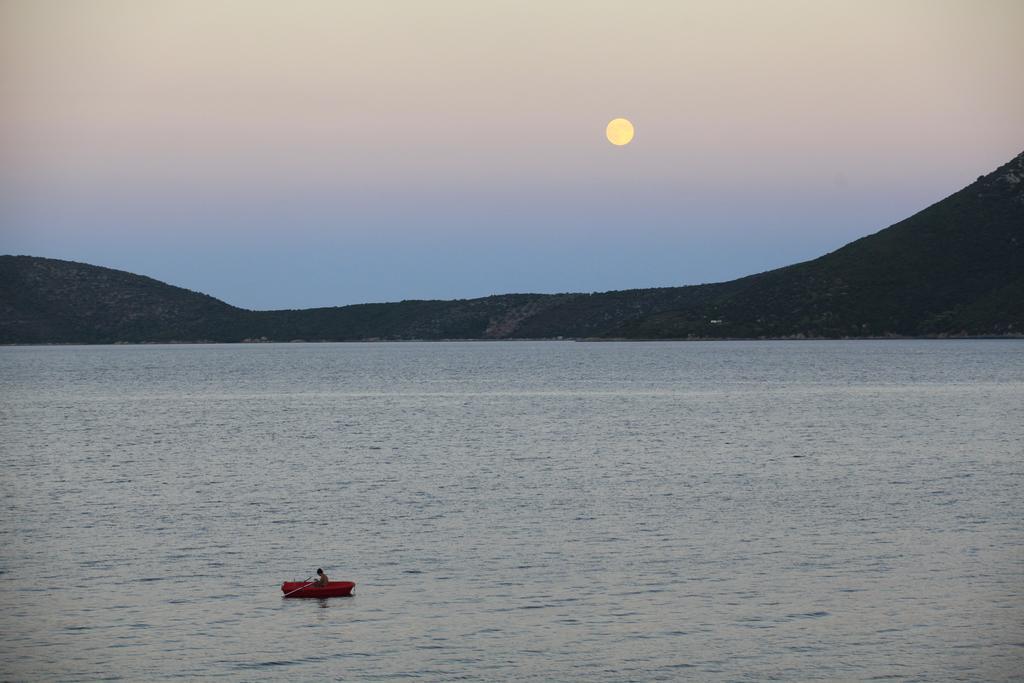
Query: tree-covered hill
(955, 268)
(51, 301)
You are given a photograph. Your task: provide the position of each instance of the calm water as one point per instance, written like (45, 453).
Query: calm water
(705, 511)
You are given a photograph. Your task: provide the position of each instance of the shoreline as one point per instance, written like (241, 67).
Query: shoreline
(797, 338)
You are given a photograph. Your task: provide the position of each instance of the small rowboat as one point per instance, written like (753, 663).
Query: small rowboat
(305, 589)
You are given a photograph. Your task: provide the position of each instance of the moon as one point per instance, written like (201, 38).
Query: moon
(619, 132)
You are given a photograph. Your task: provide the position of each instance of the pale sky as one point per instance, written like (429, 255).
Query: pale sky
(311, 152)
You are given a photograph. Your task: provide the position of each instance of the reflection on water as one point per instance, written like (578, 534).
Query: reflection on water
(714, 511)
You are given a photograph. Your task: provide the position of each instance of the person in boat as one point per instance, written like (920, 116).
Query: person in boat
(321, 579)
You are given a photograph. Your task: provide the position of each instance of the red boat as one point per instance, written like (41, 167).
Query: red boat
(306, 589)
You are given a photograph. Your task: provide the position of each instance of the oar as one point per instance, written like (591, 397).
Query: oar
(300, 587)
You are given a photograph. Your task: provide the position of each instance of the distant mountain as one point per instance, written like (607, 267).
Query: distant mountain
(953, 269)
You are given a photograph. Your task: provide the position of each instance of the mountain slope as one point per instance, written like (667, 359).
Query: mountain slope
(955, 268)
(51, 301)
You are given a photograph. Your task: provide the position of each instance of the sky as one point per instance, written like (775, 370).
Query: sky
(305, 153)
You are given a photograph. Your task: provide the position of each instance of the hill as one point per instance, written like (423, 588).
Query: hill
(50, 301)
(954, 269)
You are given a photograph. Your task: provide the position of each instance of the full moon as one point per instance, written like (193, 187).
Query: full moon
(619, 131)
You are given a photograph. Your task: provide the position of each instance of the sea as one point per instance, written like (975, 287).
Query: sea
(556, 511)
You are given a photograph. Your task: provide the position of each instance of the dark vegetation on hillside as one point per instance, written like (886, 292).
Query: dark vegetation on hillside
(955, 268)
